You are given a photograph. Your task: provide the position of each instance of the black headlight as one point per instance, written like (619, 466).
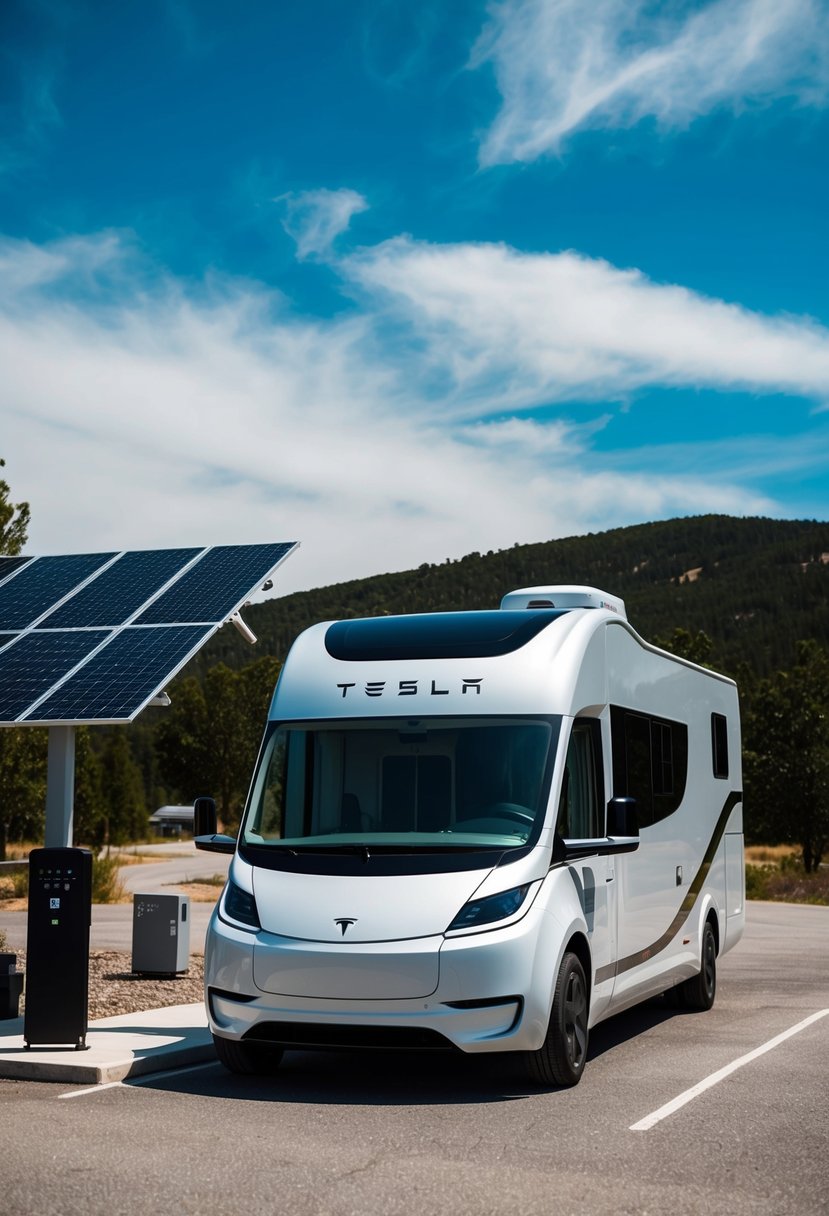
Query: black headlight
(493, 908)
(239, 906)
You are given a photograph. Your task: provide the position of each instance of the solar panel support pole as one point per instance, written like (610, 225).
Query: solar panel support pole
(60, 787)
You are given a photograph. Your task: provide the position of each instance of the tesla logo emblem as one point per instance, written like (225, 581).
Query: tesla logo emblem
(411, 688)
(344, 922)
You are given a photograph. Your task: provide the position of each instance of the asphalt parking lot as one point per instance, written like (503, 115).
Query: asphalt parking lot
(336, 1133)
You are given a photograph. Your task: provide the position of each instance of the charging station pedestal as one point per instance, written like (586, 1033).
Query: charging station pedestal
(57, 947)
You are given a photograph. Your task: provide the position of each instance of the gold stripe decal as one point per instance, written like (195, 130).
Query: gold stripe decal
(685, 908)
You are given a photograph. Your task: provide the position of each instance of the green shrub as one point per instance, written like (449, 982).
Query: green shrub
(20, 880)
(107, 887)
(757, 881)
(792, 863)
(787, 882)
(14, 883)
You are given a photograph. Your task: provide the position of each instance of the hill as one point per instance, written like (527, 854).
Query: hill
(755, 586)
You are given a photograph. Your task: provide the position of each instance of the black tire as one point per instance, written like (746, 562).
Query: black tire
(699, 992)
(247, 1059)
(561, 1058)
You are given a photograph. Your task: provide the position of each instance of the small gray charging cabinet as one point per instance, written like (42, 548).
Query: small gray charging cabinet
(160, 934)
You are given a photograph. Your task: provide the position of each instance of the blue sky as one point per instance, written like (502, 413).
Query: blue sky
(404, 280)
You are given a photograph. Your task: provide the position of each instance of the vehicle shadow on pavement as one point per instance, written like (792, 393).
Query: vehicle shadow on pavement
(362, 1078)
(391, 1078)
(629, 1025)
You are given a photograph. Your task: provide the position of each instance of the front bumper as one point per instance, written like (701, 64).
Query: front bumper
(491, 994)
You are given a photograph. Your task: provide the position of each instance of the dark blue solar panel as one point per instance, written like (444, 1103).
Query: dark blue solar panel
(9, 564)
(216, 585)
(123, 676)
(43, 583)
(33, 665)
(117, 681)
(120, 590)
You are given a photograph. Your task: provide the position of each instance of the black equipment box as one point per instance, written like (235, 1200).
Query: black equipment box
(160, 934)
(11, 986)
(57, 947)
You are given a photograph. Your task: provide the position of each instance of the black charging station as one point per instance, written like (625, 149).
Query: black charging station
(57, 947)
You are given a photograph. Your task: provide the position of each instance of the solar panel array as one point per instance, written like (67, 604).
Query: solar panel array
(93, 637)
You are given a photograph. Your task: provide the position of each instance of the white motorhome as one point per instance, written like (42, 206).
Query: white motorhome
(484, 831)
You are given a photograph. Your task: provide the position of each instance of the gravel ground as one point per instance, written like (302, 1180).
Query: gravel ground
(114, 989)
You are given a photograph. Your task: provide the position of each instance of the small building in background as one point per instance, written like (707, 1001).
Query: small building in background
(172, 820)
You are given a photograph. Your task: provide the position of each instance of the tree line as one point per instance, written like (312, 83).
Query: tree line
(747, 597)
(205, 743)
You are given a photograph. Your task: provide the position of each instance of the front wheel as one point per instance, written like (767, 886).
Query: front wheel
(247, 1058)
(561, 1058)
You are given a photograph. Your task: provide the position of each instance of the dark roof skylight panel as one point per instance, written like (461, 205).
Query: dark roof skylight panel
(42, 583)
(123, 676)
(118, 592)
(218, 583)
(36, 662)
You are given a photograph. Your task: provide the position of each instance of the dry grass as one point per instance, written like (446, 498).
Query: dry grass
(19, 852)
(769, 854)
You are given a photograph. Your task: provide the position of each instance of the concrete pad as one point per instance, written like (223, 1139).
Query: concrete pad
(129, 1045)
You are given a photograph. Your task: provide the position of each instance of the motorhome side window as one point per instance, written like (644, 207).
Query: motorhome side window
(582, 795)
(650, 762)
(719, 744)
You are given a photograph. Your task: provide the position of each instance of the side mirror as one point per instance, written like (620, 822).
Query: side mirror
(205, 821)
(205, 824)
(622, 834)
(623, 817)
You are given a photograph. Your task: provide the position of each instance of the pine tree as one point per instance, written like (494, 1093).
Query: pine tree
(14, 521)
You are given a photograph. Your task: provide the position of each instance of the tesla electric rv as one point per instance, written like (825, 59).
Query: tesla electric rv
(484, 831)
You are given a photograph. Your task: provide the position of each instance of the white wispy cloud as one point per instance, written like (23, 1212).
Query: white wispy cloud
(135, 414)
(509, 329)
(315, 218)
(562, 64)
(25, 265)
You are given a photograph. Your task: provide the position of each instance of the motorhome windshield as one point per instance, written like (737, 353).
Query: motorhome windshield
(400, 785)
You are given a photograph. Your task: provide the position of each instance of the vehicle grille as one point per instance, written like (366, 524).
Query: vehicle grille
(309, 1034)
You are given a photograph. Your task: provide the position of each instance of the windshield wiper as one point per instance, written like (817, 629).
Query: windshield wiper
(361, 850)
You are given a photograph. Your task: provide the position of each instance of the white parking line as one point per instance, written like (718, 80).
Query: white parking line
(94, 1089)
(670, 1108)
(144, 1079)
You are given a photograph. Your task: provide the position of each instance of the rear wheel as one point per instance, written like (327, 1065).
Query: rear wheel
(561, 1058)
(699, 991)
(247, 1058)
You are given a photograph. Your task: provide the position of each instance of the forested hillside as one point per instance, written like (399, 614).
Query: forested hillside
(754, 586)
(748, 596)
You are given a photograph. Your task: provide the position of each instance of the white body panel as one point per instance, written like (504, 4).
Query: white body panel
(636, 918)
